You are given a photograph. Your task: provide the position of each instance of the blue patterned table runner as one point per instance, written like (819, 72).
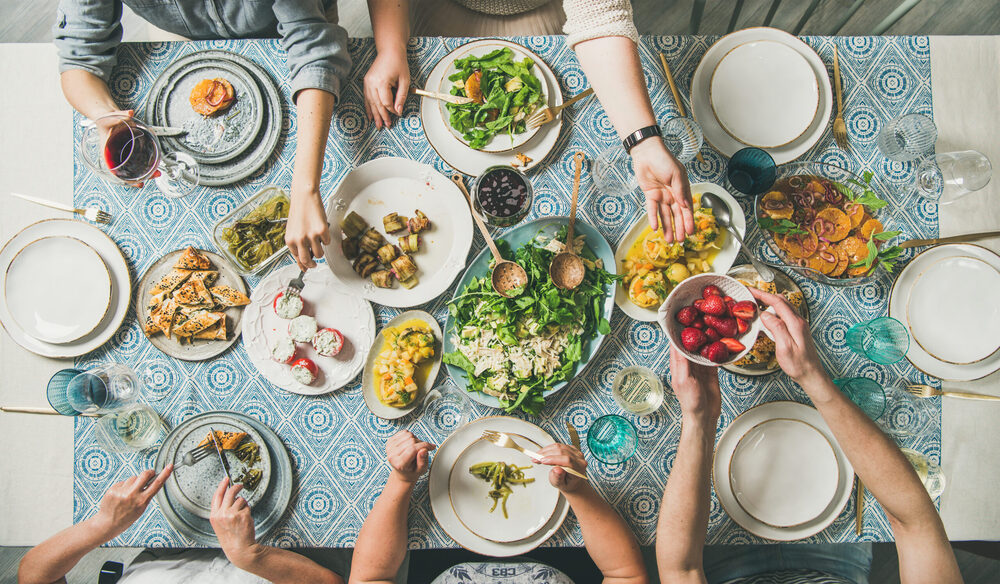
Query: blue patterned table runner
(337, 446)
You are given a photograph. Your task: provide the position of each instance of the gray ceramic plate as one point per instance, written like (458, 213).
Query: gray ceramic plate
(368, 377)
(198, 349)
(267, 513)
(258, 152)
(784, 284)
(193, 486)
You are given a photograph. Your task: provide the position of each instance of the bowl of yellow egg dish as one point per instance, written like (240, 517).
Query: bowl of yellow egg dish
(650, 266)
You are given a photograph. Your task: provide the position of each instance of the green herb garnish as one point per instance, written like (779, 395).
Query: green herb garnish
(781, 226)
(868, 197)
(886, 257)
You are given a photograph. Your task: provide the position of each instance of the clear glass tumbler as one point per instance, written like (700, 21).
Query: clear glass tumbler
(683, 138)
(884, 340)
(929, 472)
(105, 388)
(613, 172)
(612, 439)
(905, 415)
(446, 409)
(907, 138)
(130, 429)
(945, 178)
(637, 390)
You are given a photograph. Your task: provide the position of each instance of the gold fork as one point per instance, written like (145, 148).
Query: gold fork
(839, 127)
(921, 390)
(546, 115)
(503, 440)
(453, 99)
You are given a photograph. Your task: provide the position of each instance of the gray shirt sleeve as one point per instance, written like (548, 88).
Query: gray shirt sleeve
(316, 47)
(87, 34)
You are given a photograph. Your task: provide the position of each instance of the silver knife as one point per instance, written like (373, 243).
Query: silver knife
(156, 130)
(222, 458)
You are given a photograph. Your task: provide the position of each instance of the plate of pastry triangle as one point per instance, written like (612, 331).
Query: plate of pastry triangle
(190, 304)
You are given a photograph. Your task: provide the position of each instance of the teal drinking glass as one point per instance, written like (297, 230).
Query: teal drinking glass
(751, 171)
(884, 340)
(866, 393)
(57, 394)
(612, 439)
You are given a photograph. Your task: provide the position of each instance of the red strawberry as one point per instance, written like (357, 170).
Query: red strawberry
(712, 334)
(687, 315)
(746, 310)
(710, 290)
(699, 324)
(733, 345)
(716, 352)
(729, 306)
(742, 326)
(693, 339)
(724, 326)
(729, 299)
(714, 305)
(698, 304)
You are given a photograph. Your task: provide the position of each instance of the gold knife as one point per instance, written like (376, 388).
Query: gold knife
(574, 438)
(953, 239)
(860, 506)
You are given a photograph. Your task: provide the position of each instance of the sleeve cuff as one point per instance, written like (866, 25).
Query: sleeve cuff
(316, 77)
(100, 72)
(622, 29)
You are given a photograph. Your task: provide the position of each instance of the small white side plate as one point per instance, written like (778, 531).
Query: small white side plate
(954, 311)
(784, 472)
(58, 289)
(764, 94)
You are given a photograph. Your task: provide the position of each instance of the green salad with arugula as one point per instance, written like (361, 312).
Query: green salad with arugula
(517, 348)
(503, 90)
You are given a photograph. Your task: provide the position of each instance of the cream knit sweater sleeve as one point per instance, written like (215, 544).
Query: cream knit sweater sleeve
(591, 19)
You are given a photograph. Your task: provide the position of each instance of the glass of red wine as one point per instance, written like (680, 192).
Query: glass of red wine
(123, 150)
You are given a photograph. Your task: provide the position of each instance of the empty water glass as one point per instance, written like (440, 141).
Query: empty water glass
(751, 171)
(613, 172)
(55, 391)
(908, 137)
(105, 388)
(612, 439)
(928, 471)
(867, 394)
(905, 415)
(945, 178)
(884, 340)
(683, 138)
(446, 409)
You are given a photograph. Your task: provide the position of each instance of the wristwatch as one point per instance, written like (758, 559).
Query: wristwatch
(639, 135)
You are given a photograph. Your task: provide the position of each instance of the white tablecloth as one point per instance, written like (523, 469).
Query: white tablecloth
(36, 476)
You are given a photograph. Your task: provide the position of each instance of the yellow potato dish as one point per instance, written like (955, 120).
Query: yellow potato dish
(652, 267)
(398, 370)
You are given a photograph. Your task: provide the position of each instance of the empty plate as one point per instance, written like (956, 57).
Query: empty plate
(784, 472)
(58, 289)
(764, 94)
(953, 312)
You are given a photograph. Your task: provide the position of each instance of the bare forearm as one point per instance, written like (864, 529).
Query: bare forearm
(608, 539)
(52, 559)
(612, 66)
(390, 24)
(282, 566)
(87, 93)
(314, 110)
(683, 523)
(381, 545)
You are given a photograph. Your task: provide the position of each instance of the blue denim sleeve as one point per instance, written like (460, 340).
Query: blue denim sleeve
(316, 47)
(87, 34)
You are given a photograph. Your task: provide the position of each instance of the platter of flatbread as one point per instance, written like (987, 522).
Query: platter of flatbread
(190, 303)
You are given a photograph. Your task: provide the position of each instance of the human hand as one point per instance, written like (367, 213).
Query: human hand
(696, 387)
(668, 193)
(307, 229)
(233, 524)
(795, 349)
(389, 74)
(126, 501)
(407, 456)
(564, 455)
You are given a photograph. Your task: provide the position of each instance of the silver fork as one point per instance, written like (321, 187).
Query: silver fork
(90, 213)
(196, 455)
(546, 115)
(296, 285)
(503, 440)
(921, 390)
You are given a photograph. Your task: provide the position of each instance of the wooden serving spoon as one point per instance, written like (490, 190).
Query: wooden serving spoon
(506, 275)
(567, 269)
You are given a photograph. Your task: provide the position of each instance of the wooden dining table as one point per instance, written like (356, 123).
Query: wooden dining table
(36, 157)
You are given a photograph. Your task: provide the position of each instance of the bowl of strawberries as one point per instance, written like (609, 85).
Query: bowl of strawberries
(713, 319)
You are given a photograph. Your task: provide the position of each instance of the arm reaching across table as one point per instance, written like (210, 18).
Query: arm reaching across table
(925, 553)
(388, 79)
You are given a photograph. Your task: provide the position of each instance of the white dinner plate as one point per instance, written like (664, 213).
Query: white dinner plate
(764, 94)
(500, 142)
(58, 289)
(784, 472)
(529, 507)
(121, 288)
(731, 439)
(954, 310)
(390, 184)
(455, 152)
(445, 459)
(368, 379)
(701, 105)
(331, 307)
(720, 265)
(899, 299)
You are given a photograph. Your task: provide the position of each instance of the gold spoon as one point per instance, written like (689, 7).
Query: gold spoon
(507, 275)
(567, 269)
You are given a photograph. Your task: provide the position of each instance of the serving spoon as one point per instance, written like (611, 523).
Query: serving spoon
(506, 275)
(567, 269)
(722, 216)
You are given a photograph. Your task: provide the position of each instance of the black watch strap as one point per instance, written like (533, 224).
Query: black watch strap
(639, 135)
